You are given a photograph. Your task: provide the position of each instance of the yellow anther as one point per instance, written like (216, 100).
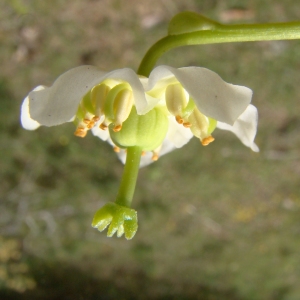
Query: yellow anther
(187, 125)
(80, 132)
(117, 128)
(179, 120)
(154, 156)
(116, 149)
(103, 126)
(207, 140)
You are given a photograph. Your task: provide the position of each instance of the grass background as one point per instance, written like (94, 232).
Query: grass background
(218, 222)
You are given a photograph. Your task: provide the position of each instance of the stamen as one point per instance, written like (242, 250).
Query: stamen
(90, 125)
(86, 121)
(179, 119)
(80, 132)
(187, 125)
(103, 126)
(143, 153)
(117, 128)
(154, 156)
(116, 149)
(207, 140)
(96, 118)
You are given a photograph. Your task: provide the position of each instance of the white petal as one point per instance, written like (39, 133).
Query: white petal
(177, 134)
(26, 120)
(213, 96)
(100, 133)
(245, 127)
(58, 103)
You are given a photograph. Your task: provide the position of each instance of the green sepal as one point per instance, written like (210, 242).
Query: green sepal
(145, 131)
(188, 21)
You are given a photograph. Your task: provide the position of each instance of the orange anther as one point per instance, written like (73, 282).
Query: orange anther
(179, 119)
(86, 121)
(96, 118)
(117, 128)
(116, 149)
(207, 140)
(103, 126)
(90, 125)
(187, 125)
(143, 153)
(80, 132)
(154, 157)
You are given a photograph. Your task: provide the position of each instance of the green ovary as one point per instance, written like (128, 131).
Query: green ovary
(145, 131)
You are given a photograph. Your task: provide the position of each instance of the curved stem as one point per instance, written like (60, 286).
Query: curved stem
(221, 34)
(129, 176)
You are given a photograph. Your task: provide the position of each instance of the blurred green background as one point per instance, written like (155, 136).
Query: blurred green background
(219, 222)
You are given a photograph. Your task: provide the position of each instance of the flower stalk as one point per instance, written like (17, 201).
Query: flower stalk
(129, 176)
(219, 34)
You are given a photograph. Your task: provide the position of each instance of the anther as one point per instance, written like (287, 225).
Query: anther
(103, 126)
(80, 132)
(96, 118)
(154, 156)
(187, 125)
(207, 140)
(179, 119)
(143, 153)
(117, 128)
(86, 121)
(90, 125)
(116, 149)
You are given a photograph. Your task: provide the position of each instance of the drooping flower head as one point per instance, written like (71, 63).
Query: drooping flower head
(141, 116)
(159, 114)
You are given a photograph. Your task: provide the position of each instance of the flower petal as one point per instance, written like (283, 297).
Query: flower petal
(177, 134)
(58, 103)
(214, 97)
(245, 127)
(26, 120)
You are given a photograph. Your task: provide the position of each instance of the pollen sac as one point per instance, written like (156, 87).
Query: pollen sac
(146, 131)
(91, 109)
(175, 99)
(117, 106)
(98, 96)
(202, 126)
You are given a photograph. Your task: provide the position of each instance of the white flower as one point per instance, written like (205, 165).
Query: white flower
(195, 101)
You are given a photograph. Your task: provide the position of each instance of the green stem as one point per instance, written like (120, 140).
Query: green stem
(129, 177)
(221, 34)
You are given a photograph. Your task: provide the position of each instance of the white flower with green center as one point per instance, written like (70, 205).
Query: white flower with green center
(142, 118)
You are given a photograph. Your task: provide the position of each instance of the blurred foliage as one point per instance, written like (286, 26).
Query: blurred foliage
(218, 222)
(13, 272)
